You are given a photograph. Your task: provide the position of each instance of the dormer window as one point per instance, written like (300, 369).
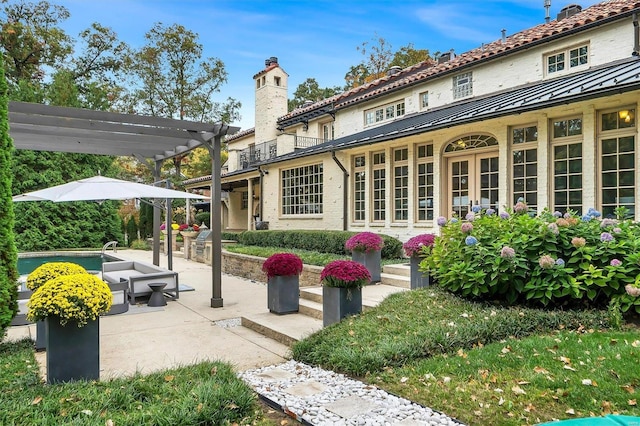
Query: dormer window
(462, 85)
(567, 59)
(384, 113)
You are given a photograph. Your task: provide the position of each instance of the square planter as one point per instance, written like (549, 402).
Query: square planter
(371, 260)
(418, 279)
(339, 302)
(283, 294)
(73, 353)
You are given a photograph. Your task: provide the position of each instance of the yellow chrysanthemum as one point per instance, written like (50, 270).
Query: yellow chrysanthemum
(78, 297)
(51, 270)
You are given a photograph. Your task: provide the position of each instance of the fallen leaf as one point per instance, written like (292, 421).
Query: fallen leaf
(570, 411)
(632, 402)
(522, 382)
(446, 379)
(461, 353)
(87, 412)
(169, 378)
(613, 342)
(506, 349)
(36, 400)
(587, 382)
(403, 379)
(629, 388)
(284, 422)
(109, 423)
(518, 390)
(635, 343)
(568, 367)
(540, 370)
(565, 360)
(352, 333)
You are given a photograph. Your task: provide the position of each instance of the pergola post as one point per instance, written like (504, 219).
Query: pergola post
(157, 218)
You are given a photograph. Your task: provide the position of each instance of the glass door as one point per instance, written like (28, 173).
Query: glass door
(473, 180)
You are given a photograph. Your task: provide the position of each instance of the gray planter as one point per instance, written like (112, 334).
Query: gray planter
(338, 303)
(73, 353)
(41, 336)
(418, 279)
(283, 294)
(371, 261)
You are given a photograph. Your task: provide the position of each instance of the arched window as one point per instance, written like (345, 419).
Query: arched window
(471, 142)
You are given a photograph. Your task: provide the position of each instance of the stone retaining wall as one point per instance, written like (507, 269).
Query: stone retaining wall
(250, 267)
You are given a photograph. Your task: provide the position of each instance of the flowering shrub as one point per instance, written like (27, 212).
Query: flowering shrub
(345, 273)
(51, 270)
(282, 264)
(77, 297)
(416, 245)
(553, 259)
(364, 242)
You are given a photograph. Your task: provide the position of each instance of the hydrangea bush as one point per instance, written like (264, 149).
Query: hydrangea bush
(553, 259)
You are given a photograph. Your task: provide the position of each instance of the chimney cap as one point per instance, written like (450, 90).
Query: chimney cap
(394, 70)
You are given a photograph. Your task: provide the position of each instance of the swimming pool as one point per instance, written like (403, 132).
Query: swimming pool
(91, 261)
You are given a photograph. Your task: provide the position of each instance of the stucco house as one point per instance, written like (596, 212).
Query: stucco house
(548, 114)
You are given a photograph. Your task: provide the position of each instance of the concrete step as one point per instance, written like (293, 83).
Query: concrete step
(313, 294)
(310, 308)
(398, 269)
(286, 329)
(394, 280)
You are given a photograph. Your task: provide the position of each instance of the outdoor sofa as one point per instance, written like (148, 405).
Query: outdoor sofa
(139, 275)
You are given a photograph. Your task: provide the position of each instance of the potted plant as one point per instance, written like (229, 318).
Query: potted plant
(71, 306)
(37, 278)
(365, 248)
(283, 284)
(342, 282)
(189, 231)
(416, 248)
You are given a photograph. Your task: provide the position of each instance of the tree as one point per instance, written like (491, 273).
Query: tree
(8, 251)
(34, 44)
(310, 90)
(407, 56)
(379, 57)
(173, 81)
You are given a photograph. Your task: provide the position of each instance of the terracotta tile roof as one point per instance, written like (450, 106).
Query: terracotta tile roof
(266, 70)
(241, 134)
(587, 18)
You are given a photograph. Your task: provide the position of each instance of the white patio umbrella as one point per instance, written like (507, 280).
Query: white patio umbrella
(99, 188)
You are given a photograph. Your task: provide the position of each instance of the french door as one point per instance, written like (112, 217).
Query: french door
(473, 180)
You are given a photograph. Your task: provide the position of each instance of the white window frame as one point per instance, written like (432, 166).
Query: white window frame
(327, 131)
(569, 140)
(383, 113)
(301, 191)
(359, 187)
(424, 100)
(401, 184)
(566, 60)
(524, 139)
(379, 193)
(425, 183)
(463, 85)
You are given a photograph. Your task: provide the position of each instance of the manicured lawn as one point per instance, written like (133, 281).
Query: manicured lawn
(208, 393)
(484, 364)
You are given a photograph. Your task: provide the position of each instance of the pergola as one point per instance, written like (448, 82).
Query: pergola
(52, 128)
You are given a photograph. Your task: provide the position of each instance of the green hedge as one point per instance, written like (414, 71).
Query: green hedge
(321, 241)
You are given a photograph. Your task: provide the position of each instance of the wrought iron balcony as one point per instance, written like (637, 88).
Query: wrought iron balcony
(306, 142)
(257, 153)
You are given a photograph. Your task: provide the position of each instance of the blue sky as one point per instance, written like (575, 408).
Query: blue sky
(310, 38)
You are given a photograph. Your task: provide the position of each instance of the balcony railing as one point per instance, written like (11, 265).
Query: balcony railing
(306, 142)
(257, 153)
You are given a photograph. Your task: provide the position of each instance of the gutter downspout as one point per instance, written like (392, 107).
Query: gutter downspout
(636, 36)
(262, 173)
(345, 189)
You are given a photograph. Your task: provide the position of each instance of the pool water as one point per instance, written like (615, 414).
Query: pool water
(89, 261)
